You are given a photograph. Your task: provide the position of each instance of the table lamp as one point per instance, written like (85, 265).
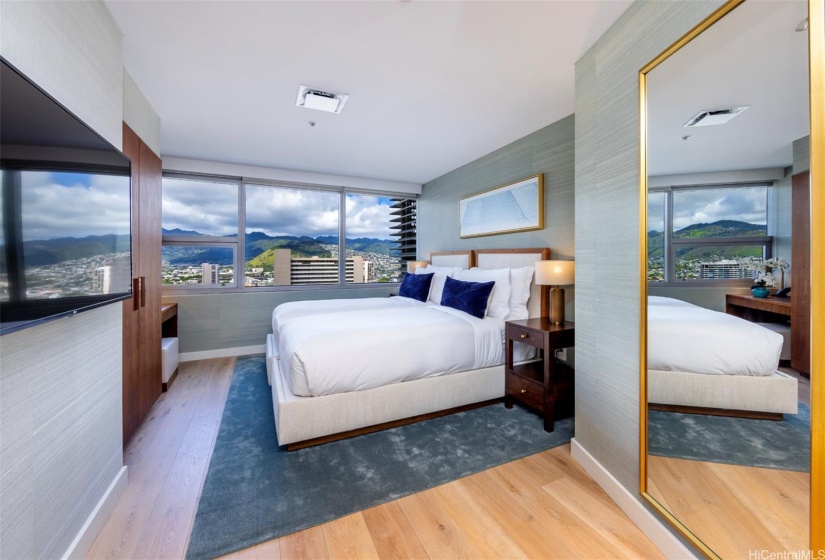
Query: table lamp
(412, 265)
(556, 273)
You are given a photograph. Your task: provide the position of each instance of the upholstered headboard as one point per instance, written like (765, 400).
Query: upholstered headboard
(459, 259)
(518, 258)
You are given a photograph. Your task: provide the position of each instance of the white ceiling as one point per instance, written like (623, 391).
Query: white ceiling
(752, 57)
(433, 85)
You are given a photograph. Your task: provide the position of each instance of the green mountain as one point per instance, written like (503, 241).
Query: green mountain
(720, 229)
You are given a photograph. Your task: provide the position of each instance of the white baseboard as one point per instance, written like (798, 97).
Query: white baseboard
(631, 504)
(82, 543)
(222, 353)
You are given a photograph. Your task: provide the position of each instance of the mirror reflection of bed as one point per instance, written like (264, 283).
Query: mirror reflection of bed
(727, 380)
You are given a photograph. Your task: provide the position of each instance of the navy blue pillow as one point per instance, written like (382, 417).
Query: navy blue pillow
(469, 297)
(416, 286)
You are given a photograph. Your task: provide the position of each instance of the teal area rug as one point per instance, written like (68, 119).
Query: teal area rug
(256, 491)
(784, 444)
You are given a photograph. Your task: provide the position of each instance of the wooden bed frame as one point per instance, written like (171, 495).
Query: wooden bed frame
(437, 385)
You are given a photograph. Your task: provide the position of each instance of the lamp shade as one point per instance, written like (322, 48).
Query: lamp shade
(412, 265)
(555, 273)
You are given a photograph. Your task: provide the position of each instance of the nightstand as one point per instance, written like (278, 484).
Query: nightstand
(545, 384)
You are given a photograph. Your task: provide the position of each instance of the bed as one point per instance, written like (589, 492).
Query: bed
(708, 362)
(393, 382)
(286, 312)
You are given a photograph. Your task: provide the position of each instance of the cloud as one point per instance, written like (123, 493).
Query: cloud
(711, 205)
(211, 208)
(74, 205)
(202, 206)
(708, 205)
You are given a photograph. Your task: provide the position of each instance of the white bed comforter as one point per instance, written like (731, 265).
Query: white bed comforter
(685, 337)
(295, 309)
(341, 352)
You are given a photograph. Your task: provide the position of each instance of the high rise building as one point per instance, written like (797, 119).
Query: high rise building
(210, 273)
(721, 270)
(293, 271)
(404, 223)
(112, 278)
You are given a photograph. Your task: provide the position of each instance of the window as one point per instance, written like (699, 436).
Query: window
(291, 236)
(280, 235)
(699, 234)
(200, 232)
(372, 253)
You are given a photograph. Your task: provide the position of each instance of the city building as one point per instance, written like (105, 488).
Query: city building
(295, 271)
(404, 226)
(211, 273)
(721, 270)
(112, 278)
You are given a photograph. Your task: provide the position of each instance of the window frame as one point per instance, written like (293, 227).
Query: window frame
(239, 242)
(671, 243)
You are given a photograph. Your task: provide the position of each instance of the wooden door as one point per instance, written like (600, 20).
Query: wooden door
(150, 245)
(801, 273)
(141, 314)
(131, 312)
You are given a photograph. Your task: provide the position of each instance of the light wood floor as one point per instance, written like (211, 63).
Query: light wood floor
(543, 506)
(735, 509)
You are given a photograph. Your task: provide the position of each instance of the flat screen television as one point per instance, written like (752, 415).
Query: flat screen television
(65, 210)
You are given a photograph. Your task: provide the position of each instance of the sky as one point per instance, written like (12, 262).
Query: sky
(74, 205)
(708, 205)
(212, 208)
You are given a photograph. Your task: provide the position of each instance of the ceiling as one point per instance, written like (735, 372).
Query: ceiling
(433, 85)
(751, 57)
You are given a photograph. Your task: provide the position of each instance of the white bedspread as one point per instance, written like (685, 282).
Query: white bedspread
(685, 337)
(341, 352)
(294, 309)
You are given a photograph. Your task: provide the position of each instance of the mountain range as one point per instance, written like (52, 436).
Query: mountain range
(719, 229)
(260, 247)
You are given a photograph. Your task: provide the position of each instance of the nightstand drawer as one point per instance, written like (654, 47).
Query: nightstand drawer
(526, 336)
(526, 392)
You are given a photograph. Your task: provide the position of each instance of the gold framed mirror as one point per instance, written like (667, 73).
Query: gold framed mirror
(732, 200)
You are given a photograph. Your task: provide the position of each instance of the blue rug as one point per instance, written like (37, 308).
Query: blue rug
(783, 445)
(256, 491)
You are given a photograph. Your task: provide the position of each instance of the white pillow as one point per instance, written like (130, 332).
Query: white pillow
(520, 281)
(437, 286)
(499, 303)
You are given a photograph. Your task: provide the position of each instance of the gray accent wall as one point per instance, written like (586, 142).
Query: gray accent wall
(139, 114)
(549, 150)
(74, 51)
(801, 155)
(61, 382)
(60, 429)
(607, 228)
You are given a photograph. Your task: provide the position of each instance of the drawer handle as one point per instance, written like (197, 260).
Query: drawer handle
(524, 336)
(523, 391)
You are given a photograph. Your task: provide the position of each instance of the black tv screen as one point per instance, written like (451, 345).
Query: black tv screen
(65, 210)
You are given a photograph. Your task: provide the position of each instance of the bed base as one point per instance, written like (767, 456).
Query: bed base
(751, 414)
(389, 425)
(302, 422)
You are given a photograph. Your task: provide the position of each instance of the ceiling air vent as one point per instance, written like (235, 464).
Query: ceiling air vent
(313, 98)
(711, 118)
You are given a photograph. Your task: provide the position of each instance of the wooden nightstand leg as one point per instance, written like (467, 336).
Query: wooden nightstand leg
(549, 391)
(508, 402)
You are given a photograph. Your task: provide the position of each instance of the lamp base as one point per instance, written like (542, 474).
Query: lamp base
(557, 306)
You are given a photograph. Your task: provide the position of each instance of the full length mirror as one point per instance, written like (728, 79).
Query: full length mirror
(728, 273)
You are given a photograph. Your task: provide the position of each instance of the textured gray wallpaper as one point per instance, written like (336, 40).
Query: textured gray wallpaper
(607, 222)
(60, 429)
(73, 50)
(549, 151)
